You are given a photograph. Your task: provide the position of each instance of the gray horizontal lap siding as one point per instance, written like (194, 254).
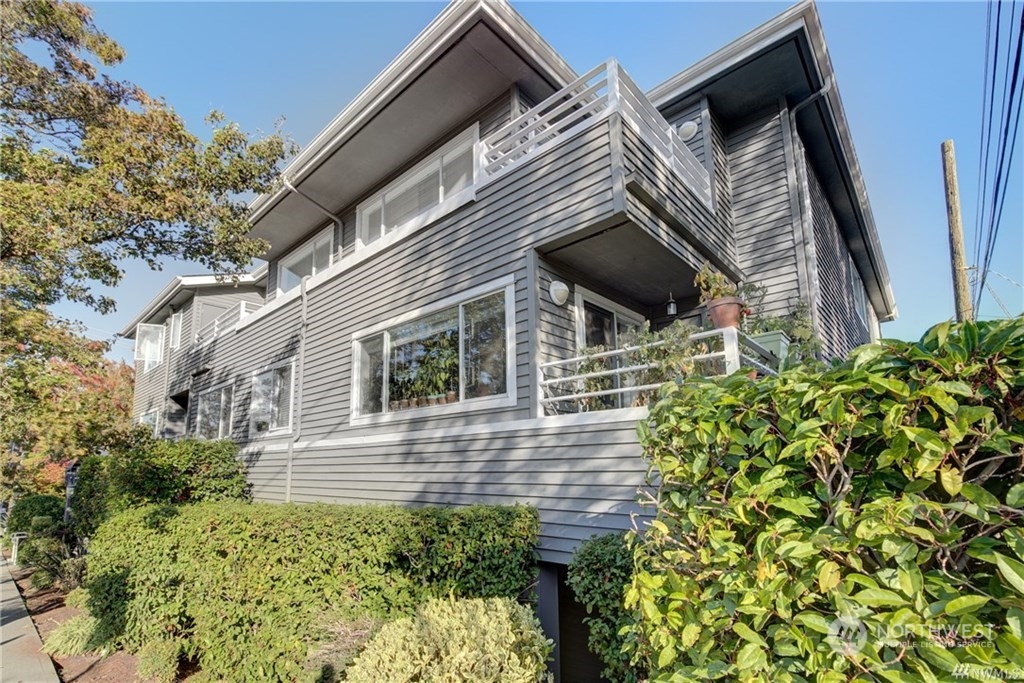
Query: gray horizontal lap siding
(564, 473)
(839, 326)
(583, 479)
(763, 213)
(713, 229)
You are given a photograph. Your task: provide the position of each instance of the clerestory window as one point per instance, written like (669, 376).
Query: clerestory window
(433, 187)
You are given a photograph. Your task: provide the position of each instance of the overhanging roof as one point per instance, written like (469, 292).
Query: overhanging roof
(787, 57)
(181, 288)
(469, 55)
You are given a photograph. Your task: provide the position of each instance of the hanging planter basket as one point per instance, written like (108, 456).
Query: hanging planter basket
(725, 312)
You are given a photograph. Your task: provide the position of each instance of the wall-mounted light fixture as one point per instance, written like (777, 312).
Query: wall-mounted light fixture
(559, 292)
(671, 309)
(688, 130)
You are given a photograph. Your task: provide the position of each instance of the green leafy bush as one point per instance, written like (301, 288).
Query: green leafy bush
(859, 523)
(600, 571)
(28, 508)
(245, 588)
(493, 640)
(156, 472)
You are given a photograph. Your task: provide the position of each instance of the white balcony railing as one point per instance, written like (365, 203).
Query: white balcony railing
(592, 97)
(223, 322)
(631, 376)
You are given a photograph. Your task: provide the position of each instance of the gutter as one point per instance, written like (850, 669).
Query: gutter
(436, 37)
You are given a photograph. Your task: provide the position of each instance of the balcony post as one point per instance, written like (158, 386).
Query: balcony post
(731, 338)
(612, 69)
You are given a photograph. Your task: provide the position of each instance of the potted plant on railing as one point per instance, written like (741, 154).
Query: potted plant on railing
(720, 296)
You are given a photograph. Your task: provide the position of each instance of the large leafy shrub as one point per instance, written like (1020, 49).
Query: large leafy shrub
(884, 493)
(494, 640)
(156, 471)
(600, 570)
(31, 507)
(245, 588)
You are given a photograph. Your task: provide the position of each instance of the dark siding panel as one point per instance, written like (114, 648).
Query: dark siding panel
(840, 327)
(763, 213)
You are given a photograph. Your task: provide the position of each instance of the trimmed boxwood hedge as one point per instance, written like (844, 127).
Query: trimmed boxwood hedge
(245, 588)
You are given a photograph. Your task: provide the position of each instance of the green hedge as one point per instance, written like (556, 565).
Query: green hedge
(31, 507)
(246, 588)
(600, 571)
(156, 472)
(860, 523)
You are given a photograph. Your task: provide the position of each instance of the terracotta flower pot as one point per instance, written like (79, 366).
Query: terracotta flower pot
(725, 312)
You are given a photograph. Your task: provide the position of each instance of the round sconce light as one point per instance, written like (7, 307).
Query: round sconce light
(688, 130)
(559, 292)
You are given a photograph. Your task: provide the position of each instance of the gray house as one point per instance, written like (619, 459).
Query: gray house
(477, 215)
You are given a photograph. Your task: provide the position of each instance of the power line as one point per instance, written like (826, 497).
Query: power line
(992, 205)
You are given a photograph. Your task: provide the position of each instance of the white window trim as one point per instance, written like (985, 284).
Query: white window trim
(297, 253)
(146, 367)
(253, 434)
(449, 204)
(175, 339)
(583, 295)
(507, 399)
(155, 412)
(231, 412)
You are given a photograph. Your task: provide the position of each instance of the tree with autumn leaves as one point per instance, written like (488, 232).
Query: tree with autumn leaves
(94, 171)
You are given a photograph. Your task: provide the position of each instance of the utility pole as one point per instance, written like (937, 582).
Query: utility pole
(961, 292)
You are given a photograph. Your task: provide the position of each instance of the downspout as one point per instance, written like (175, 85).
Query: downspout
(320, 207)
(300, 366)
(806, 220)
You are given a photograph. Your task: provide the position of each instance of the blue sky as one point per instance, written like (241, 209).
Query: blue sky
(910, 75)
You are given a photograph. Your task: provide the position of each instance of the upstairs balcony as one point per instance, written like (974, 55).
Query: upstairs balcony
(631, 376)
(225, 322)
(599, 93)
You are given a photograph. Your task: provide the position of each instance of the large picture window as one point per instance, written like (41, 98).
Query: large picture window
(313, 257)
(213, 413)
(271, 406)
(456, 354)
(435, 181)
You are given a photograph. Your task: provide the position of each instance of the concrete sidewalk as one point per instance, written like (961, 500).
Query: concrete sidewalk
(21, 658)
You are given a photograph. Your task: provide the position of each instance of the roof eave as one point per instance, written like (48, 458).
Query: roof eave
(425, 48)
(181, 282)
(801, 17)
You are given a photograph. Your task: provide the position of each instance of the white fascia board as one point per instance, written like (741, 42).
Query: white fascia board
(734, 53)
(422, 51)
(177, 284)
(802, 16)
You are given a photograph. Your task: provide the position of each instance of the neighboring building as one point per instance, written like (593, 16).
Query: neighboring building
(428, 222)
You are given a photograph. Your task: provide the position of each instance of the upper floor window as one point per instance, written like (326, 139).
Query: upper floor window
(213, 413)
(271, 407)
(437, 181)
(149, 345)
(459, 352)
(860, 298)
(175, 325)
(313, 257)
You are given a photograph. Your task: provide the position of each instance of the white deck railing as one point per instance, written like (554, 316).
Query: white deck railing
(223, 322)
(589, 99)
(621, 378)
